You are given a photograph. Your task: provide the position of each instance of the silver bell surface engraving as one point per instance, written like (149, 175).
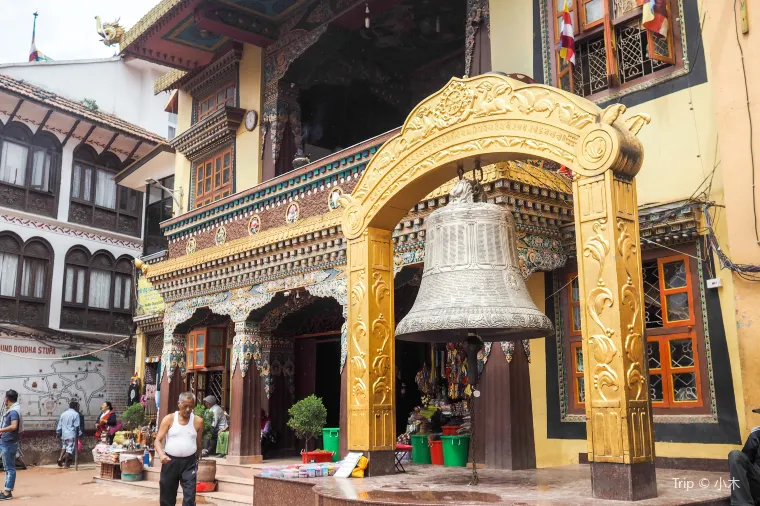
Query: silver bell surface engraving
(471, 279)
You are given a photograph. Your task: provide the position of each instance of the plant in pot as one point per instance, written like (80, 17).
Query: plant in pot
(206, 477)
(307, 419)
(132, 419)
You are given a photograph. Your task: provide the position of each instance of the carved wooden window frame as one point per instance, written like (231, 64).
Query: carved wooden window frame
(17, 133)
(213, 102)
(11, 244)
(166, 201)
(666, 291)
(607, 29)
(576, 374)
(85, 159)
(692, 328)
(205, 174)
(193, 348)
(119, 267)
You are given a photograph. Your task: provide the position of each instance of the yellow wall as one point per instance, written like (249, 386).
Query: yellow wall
(549, 452)
(683, 145)
(512, 36)
(737, 235)
(248, 164)
(679, 145)
(182, 164)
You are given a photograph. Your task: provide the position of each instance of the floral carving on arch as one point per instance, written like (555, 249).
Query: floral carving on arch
(491, 118)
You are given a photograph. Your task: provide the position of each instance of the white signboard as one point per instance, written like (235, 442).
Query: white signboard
(349, 464)
(46, 387)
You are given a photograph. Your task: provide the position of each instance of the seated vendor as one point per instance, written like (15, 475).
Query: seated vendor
(744, 466)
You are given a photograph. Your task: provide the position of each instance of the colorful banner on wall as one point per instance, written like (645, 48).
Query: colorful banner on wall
(149, 301)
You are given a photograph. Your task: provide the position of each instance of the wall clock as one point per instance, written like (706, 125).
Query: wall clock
(251, 120)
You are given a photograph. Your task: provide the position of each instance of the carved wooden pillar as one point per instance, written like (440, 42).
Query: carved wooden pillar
(370, 382)
(277, 359)
(172, 372)
(245, 399)
(618, 409)
(478, 38)
(504, 414)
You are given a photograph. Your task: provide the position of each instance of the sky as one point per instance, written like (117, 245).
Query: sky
(65, 28)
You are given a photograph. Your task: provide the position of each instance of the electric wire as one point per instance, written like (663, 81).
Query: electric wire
(65, 358)
(751, 131)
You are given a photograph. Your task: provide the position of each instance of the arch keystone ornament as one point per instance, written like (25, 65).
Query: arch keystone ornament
(488, 119)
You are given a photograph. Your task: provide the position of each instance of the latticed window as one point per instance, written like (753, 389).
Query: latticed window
(672, 327)
(612, 49)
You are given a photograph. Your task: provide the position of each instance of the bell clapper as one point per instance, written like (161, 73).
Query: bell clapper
(474, 345)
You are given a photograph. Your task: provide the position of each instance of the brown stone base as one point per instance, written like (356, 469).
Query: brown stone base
(623, 482)
(244, 460)
(269, 491)
(381, 463)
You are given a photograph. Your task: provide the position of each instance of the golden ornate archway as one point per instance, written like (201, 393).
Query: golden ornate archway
(491, 118)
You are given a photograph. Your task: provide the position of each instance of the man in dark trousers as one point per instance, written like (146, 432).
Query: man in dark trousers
(10, 427)
(178, 446)
(744, 467)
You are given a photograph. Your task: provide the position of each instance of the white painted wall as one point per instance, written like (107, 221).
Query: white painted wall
(120, 87)
(61, 244)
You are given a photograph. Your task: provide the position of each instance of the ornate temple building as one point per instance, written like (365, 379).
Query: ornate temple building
(289, 111)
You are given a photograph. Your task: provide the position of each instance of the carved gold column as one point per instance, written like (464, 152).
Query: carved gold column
(618, 410)
(371, 389)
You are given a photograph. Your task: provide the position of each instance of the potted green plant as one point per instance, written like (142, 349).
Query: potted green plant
(134, 417)
(307, 419)
(206, 475)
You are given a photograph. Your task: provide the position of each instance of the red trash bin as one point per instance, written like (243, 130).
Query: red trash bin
(436, 452)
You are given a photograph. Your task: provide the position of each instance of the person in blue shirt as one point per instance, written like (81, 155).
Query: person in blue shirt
(69, 430)
(10, 426)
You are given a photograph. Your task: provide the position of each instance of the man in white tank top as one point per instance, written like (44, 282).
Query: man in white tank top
(178, 446)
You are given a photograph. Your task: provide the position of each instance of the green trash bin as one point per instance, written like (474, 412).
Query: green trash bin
(420, 449)
(331, 442)
(456, 449)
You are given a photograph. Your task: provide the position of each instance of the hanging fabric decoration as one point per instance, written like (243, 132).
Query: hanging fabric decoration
(508, 347)
(456, 370)
(366, 17)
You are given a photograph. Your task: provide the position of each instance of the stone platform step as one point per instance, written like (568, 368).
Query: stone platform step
(224, 482)
(218, 498)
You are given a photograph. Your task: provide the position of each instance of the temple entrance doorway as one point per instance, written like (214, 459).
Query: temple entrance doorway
(305, 332)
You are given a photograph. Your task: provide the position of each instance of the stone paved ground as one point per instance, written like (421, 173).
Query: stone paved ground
(51, 486)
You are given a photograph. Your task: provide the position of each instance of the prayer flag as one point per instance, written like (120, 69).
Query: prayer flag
(655, 16)
(567, 36)
(34, 53)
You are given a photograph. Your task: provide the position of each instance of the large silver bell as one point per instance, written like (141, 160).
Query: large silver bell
(471, 281)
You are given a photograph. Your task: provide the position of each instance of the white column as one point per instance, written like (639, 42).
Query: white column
(56, 294)
(64, 192)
